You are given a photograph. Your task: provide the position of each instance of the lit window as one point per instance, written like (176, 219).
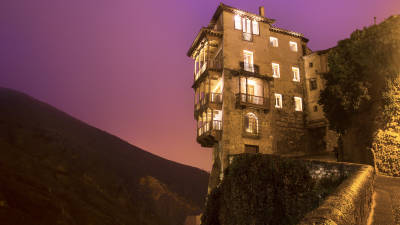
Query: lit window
(293, 46)
(298, 106)
(278, 101)
(238, 22)
(246, 25)
(248, 61)
(251, 123)
(296, 74)
(256, 29)
(275, 70)
(273, 41)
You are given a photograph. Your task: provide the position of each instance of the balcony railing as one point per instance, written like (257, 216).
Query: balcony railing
(212, 97)
(209, 126)
(253, 68)
(252, 100)
(215, 63)
(247, 36)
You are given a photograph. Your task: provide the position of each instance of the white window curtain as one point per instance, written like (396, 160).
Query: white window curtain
(248, 26)
(256, 29)
(298, 104)
(238, 22)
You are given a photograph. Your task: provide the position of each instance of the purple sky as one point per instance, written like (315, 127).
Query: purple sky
(121, 65)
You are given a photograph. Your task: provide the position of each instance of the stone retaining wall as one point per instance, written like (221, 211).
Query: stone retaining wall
(351, 202)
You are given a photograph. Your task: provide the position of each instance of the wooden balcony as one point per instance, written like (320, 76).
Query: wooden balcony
(209, 133)
(215, 64)
(252, 101)
(210, 100)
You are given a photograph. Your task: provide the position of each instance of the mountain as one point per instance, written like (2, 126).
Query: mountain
(57, 170)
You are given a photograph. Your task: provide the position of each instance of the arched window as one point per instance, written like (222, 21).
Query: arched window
(251, 123)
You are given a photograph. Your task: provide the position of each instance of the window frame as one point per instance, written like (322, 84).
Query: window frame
(313, 84)
(279, 98)
(298, 101)
(273, 70)
(293, 43)
(256, 24)
(252, 125)
(246, 25)
(271, 41)
(250, 53)
(237, 22)
(296, 73)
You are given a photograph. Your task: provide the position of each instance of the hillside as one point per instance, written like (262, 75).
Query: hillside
(55, 169)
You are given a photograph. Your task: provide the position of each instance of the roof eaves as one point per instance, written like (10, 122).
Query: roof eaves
(223, 7)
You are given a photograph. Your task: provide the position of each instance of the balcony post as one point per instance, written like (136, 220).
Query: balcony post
(212, 120)
(240, 88)
(247, 100)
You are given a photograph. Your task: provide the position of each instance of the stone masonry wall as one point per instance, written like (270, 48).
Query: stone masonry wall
(351, 203)
(281, 130)
(386, 149)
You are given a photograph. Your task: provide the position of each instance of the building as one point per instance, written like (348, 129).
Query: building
(252, 89)
(320, 137)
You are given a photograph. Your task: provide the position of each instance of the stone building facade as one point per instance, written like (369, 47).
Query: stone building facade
(252, 88)
(321, 138)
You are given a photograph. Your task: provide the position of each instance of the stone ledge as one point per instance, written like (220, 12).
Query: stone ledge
(350, 203)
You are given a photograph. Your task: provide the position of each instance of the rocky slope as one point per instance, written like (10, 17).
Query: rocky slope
(55, 169)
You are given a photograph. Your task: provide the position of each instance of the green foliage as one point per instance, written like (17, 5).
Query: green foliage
(361, 71)
(262, 189)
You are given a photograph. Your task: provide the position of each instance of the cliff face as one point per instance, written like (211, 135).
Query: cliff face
(55, 169)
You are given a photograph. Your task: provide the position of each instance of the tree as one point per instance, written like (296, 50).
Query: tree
(361, 82)
(359, 68)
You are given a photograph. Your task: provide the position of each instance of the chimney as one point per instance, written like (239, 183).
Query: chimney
(262, 11)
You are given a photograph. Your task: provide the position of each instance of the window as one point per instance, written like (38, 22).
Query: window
(251, 123)
(238, 22)
(273, 41)
(278, 101)
(315, 108)
(256, 29)
(246, 25)
(296, 74)
(293, 46)
(248, 61)
(313, 84)
(275, 70)
(217, 120)
(298, 106)
(251, 149)
(311, 65)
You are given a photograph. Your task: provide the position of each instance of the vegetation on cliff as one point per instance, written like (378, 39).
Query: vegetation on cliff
(361, 99)
(263, 189)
